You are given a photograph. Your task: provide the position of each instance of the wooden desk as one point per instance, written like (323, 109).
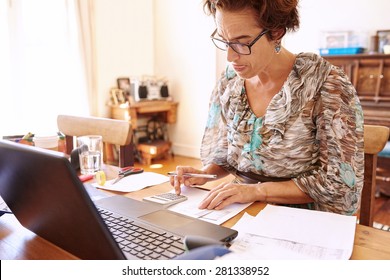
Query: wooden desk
(16, 242)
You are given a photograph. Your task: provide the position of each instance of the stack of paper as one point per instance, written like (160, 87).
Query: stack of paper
(289, 233)
(190, 207)
(134, 182)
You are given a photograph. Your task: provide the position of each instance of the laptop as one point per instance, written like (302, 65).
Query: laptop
(44, 193)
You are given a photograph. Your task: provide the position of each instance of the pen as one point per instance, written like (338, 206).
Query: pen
(209, 176)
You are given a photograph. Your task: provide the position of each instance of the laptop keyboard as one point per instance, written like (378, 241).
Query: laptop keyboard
(140, 240)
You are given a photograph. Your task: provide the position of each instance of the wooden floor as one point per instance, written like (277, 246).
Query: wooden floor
(382, 207)
(382, 203)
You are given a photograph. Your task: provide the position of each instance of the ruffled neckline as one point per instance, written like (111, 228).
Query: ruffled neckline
(297, 90)
(294, 94)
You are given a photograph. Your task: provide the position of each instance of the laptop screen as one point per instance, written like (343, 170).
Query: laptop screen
(47, 197)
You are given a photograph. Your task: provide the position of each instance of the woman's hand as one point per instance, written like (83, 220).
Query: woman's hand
(180, 178)
(228, 193)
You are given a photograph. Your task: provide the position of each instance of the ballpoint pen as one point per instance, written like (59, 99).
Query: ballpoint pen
(197, 175)
(126, 172)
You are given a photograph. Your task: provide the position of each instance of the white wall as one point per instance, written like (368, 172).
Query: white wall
(175, 43)
(361, 16)
(184, 54)
(124, 42)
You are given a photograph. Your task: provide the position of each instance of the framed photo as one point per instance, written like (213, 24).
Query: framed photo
(383, 39)
(124, 84)
(121, 96)
(113, 97)
(117, 96)
(336, 39)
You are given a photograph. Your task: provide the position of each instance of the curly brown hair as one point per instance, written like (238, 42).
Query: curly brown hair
(273, 15)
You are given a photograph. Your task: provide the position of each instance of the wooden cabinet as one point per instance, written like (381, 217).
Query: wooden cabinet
(165, 110)
(370, 75)
(160, 110)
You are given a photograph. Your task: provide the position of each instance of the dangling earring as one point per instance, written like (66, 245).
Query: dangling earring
(278, 46)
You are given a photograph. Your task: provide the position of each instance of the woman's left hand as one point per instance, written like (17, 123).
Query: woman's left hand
(228, 193)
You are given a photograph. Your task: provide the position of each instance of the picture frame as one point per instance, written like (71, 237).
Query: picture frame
(124, 85)
(113, 97)
(383, 39)
(117, 96)
(121, 96)
(336, 39)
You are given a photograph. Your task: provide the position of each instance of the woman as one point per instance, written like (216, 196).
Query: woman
(289, 127)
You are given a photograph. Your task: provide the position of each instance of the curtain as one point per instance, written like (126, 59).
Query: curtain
(85, 16)
(45, 70)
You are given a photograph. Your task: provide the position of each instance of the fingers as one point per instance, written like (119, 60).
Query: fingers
(176, 181)
(176, 185)
(229, 200)
(181, 179)
(219, 197)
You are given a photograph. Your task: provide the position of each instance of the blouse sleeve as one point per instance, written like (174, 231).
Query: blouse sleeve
(337, 181)
(214, 146)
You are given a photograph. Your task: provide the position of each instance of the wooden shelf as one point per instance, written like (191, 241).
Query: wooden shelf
(166, 110)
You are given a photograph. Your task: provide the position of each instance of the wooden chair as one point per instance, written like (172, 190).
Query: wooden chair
(383, 172)
(116, 132)
(375, 138)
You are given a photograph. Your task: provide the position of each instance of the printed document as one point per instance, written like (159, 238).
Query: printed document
(279, 232)
(134, 182)
(190, 207)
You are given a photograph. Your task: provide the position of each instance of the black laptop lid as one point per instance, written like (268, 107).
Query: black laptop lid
(45, 194)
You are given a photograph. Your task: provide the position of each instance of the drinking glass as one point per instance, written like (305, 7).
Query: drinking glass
(90, 149)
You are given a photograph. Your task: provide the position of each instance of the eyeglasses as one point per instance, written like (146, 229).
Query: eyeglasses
(240, 48)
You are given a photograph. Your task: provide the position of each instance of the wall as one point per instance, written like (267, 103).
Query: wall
(185, 56)
(124, 42)
(361, 16)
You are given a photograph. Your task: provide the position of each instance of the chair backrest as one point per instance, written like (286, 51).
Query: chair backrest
(116, 132)
(375, 138)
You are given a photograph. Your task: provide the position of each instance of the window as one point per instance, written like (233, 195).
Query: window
(41, 74)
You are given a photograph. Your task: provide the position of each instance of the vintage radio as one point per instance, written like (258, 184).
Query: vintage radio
(149, 89)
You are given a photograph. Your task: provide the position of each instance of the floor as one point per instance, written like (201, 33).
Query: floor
(382, 207)
(382, 203)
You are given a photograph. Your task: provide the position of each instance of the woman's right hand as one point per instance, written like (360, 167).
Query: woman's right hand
(179, 179)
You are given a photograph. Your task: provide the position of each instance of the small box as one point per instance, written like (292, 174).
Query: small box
(341, 51)
(154, 149)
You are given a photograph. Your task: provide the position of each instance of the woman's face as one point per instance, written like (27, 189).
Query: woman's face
(241, 27)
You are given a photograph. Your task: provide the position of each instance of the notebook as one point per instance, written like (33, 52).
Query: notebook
(45, 194)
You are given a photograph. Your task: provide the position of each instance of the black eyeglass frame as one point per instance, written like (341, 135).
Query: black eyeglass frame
(229, 44)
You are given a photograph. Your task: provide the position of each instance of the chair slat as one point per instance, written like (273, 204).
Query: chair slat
(116, 132)
(375, 138)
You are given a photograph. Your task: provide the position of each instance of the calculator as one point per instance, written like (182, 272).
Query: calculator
(166, 199)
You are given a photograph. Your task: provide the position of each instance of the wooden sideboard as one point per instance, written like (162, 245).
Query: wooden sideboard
(370, 75)
(166, 110)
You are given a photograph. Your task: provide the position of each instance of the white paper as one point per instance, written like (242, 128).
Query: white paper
(289, 233)
(319, 228)
(134, 182)
(190, 207)
(4, 206)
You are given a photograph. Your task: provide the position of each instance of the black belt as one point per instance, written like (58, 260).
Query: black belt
(252, 178)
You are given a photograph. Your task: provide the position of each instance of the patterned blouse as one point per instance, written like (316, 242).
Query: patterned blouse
(312, 132)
